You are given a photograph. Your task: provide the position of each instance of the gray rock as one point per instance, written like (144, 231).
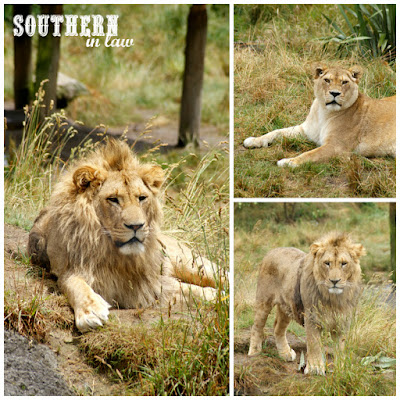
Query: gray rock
(30, 369)
(69, 88)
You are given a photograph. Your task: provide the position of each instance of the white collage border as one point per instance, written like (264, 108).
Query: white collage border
(231, 147)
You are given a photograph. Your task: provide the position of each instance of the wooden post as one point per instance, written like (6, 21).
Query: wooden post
(196, 38)
(47, 60)
(22, 62)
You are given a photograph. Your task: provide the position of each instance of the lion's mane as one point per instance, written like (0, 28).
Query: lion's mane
(134, 280)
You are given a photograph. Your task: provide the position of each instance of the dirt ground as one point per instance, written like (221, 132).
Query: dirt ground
(69, 365)
(254, 376)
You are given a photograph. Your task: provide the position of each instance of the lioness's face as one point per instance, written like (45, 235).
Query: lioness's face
(336, 269)
(336, 88)
(125, 210)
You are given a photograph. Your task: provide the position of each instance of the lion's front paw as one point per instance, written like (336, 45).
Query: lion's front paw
(92, 313)
(314, 369)
(251, 142)
(290, 356)
(287, 161)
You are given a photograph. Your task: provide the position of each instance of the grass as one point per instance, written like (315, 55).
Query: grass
(184, 355)
(260, 227)
(274, 54)
(123, 83)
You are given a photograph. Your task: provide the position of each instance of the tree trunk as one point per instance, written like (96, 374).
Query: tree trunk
(392, 224)
(47, 61)
(22, 62)
(196, 38)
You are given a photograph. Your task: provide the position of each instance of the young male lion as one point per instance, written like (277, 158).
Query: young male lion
(318, 289)
(341, 120)
(100, 235)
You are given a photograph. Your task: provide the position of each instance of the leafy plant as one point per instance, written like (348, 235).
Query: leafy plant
(371, 27)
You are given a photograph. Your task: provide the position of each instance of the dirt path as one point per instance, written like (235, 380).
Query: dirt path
(255, 376)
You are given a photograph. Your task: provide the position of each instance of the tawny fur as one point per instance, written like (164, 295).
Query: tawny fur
(84, 236)
(306, 289)
(341, 120)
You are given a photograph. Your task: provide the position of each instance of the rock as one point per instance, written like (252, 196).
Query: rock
(30, 369)
(68, 89)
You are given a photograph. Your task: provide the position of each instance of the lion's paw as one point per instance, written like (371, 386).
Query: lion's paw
(291, 356)
(254, 350)
(314, 369)
(286, 161)
(92, 314)
(250, 143)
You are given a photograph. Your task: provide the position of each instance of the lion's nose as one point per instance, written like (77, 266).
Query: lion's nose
(334, 93)
(334, 281)
(135, 228)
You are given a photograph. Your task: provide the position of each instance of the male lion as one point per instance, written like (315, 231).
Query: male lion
(341, 120)
(100, 235)
(318, 289)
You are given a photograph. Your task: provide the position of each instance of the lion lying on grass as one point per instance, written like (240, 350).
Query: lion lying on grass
(100, 235)
(318, 289)
(341, 120)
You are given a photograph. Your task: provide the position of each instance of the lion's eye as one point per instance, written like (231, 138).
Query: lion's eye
(344, 264)
(327, 263)
(142, 198)
(327, 80)
(345, 82)
(113, 200)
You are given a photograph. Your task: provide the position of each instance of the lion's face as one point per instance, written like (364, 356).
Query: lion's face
(336, 265)
(125, 202)
(124, 205)
(337, 88)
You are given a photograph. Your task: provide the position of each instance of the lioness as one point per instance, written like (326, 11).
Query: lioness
(318, 289)
(101, 236)
(341, 120)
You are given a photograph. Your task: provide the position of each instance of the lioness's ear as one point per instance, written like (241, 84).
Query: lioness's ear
(319, 70)
(356, 72)
(152, 176)
(85, 177)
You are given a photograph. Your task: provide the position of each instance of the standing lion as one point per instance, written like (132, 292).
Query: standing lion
(101, 236)
(317, 289)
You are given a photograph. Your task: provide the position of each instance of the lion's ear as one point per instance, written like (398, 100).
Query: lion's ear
(319, 70)
(356, 72)
(359, 250)
(152, 176)
(85, 177)
(314, 248)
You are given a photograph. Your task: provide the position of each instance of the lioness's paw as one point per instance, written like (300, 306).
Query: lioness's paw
(92, 314)
(314, 369)
(286, 161)
(251, 142)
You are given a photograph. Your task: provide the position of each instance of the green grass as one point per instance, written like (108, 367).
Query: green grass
(148, 76)
(274, 89)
